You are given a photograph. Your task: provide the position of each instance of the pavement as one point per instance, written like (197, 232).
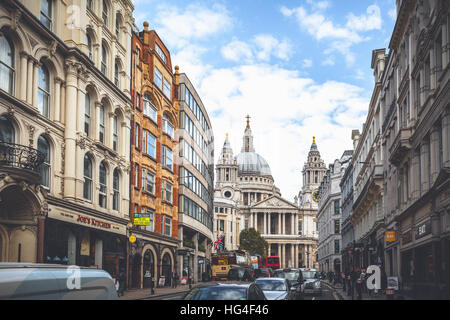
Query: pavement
(338, 288)
(160, 293)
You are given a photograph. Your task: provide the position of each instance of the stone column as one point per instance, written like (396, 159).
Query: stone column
(292, 256)
(62, 104)
(283, 255)
(99, 253)
(445, 42)
(97, 122)
(35, 84)
(414, 176)
(30, 81)
(292, 223)
(23, 75)
(124, 146)
(434, 150)
(424, 165)
(284, 223)
(57, 105)
(296, 256)
(81, 102)
(446, 137)
(72, 249)
(279, 252)
(265, 223)
(279, 223)
(109, 136)
(195, 262)
(70, 131)
(269, 223)
(269, 251)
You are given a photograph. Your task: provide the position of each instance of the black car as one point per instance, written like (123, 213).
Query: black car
(295, 278)
(226, 291)
(238, 273)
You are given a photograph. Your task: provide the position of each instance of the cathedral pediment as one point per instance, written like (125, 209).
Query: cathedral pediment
(274, 202)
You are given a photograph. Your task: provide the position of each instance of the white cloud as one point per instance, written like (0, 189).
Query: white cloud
(307, 63)
(286, 110)
(237, 51)
(365, 22)
(393, 14)
(329, 61)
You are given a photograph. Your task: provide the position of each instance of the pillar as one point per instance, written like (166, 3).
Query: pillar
(72, 249)
(434, 150)
(30, 81)
(269, 223)
(292, 257)
(283, 255)
(446, 137)
(265, 223)
(57, 104)
(415, 170)
(195, 262)
(99, 253)
(23, 75)
(81, 104)
(284, 223)
(279, 253)
(424, 166)
(35, 84)
(279, 223)
(296, 256)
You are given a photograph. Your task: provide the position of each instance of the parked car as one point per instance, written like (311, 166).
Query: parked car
(20, 281)
(312, 284)
(226, 291)
(276, 288)
(295, 278)
(263, 272)
(238, 273)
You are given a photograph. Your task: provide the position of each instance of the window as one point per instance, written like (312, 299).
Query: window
(138, 101)
(150, 109)
(150, 144)
(167, 191)
(167, 158)
(336, 207)
(136, 176)
(160, 53)
(104, 59)
(116, 194)
(300, 228)
(89, 45)
(6, 130)
(87, 186)
(102, 181)
(44, 147)
(138, 56)
(115, 134)
(151, 214)
(336, 247)
(168, 226)
(158, 78)
(221, 225)
(136, 135)
(143, 176)
(118, 27)
(102, 125)
(105, 13)
(116, 74)
(337, 227)
(168, 127)
(150, 187)
(46, 13)
(44, 91)
(6, 65)
(167, 88)
(89, 4)
(87, 114)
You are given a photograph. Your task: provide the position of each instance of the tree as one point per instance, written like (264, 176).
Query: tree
(251, 241)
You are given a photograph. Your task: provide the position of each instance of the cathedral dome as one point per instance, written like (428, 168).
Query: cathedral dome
(253, 164)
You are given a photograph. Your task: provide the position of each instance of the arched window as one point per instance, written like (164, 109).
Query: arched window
(102, 125)
(104, 59)
(150, 109)
(44, 147)
(115, 134)
(118, 27)
(89, 45)
(105, 13)
(87, 187)
(116, 74)
(87, 114)
(102, 181)
(6, 65)
(46, 13)
(7, 133)
(116, 189)
(44, 91)
(168, 126)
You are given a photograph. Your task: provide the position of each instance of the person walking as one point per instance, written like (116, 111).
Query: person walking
(174, 278)
(359, 283)
(353, 277)
(122, 280)
(344, 281)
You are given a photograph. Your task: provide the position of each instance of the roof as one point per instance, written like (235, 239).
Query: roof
(253, 164)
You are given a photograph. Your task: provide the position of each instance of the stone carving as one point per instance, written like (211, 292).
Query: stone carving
(82, 142)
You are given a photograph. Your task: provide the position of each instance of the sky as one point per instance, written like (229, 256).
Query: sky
(298, 68)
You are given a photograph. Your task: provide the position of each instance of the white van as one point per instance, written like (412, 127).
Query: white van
(19, 281)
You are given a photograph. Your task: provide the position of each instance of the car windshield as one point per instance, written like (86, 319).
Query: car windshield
(309, 274)
(291, 275)
(220, 293)
(271, 285)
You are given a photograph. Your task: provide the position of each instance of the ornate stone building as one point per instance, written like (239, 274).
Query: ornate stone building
(415, 138)
(246, 197)
(59, 95)
(154, 174)
(313, 172)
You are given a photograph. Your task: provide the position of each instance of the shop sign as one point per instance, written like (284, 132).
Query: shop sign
(423, 230)
(406, 237)
(391, 236)
(141, 219)
(93, 222)
(201, 261)
(132, 239)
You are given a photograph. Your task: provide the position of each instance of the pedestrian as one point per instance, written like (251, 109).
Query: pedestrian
(121, 283)
(152, 286)
(359, 283)
(363, 281)
(353, 278)
(344, 280)
(174, 278)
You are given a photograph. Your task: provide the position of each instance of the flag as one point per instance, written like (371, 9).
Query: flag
(219, 244)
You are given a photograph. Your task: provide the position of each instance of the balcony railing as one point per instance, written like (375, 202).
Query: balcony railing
(20, 157)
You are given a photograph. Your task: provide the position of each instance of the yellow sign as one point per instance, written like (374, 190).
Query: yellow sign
(390, 236)
(132, 239)
(145, 221)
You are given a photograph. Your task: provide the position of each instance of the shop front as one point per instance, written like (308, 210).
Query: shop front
(82, 239)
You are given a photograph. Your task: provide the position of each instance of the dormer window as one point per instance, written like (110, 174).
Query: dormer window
(160, 53)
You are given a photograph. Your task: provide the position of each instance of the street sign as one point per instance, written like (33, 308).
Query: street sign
(390, 236)
(141, 219)
(132, 239)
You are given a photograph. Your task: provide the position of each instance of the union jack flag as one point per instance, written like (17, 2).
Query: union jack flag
(219, 244)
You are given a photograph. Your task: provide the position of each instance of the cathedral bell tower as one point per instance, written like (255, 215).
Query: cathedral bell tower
(226, 167)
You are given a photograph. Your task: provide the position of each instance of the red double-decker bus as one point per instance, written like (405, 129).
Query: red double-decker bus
(272, 262)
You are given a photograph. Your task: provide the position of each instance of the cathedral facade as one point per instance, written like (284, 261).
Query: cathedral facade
(246, 197)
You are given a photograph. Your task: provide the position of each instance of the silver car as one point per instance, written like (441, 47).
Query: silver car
(311, 284)
(19, 281)
(275, 288)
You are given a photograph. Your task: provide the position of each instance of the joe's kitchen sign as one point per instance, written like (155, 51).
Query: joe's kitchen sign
(93, 222)
(423, 229)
